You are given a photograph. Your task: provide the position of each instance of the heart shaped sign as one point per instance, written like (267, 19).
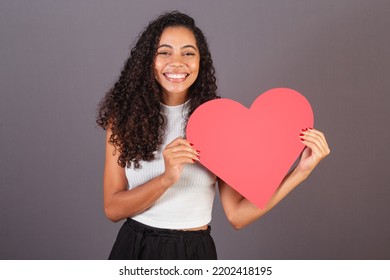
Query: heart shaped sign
(251, 149)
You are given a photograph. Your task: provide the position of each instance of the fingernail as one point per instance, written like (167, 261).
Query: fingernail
(302, 139)
(198, 157)
(310, 128)
(191, 144)
(193, 160)
(303, 129)
(301, 134)
(198, 151)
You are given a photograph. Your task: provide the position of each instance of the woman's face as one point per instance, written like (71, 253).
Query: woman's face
(176, 65)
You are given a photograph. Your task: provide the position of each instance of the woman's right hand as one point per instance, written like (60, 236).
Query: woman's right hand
(176, 154)
(121, 202)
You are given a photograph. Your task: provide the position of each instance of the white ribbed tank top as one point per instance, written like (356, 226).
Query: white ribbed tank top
(186, 204)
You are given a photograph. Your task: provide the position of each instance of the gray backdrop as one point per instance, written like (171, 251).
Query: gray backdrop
(58, 58)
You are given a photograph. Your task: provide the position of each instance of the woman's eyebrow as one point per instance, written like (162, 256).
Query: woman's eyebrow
(165, 46)
(183, 47)
(189, 46)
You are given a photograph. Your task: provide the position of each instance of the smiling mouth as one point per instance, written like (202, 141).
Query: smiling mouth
(176, 77)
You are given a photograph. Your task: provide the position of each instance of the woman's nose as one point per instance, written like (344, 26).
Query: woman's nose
(177, 61)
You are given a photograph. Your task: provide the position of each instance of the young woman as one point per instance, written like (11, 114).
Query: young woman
(152, 174)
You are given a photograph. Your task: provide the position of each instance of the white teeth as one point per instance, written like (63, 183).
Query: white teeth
(176, 76)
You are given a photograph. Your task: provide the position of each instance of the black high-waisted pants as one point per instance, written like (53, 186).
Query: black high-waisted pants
(138, 241)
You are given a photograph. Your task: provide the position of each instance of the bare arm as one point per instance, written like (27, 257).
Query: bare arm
(241, 212)
(119, 202)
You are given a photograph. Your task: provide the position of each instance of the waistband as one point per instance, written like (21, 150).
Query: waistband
(149, 230)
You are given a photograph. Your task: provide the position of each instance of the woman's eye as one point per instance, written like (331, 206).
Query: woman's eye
(164, 53)
(189, 54)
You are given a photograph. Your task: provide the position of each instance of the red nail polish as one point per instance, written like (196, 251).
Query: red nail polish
(198, 157)
(301, 134)
(191, 144)
(198, 151)
(310, 128)
(302, 139)
(193, 161)
(303, 129)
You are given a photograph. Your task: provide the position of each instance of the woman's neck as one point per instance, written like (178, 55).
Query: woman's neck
(174, 100)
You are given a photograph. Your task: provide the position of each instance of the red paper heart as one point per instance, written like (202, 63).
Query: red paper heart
(251, 149)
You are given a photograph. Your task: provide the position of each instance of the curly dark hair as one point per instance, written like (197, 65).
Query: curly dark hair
(131, 108)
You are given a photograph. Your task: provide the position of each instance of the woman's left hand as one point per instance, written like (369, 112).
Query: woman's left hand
(316, 149)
